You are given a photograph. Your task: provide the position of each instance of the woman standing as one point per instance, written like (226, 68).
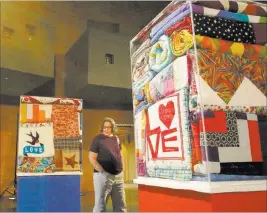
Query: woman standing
(106, 157)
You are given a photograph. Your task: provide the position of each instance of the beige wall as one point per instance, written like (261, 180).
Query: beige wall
(128, 150)
(8, 127)
(114, 75)
(23, 52)
(56, 16)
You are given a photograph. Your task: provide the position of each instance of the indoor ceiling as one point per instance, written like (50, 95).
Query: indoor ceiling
(72, 17)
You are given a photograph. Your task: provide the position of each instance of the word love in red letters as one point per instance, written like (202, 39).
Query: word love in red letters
(166, 115)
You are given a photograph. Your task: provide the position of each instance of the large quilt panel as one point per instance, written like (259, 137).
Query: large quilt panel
(167, 138)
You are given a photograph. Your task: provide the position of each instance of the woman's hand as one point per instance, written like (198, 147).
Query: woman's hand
(93, 160)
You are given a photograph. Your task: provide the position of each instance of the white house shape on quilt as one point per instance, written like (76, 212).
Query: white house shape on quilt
(208, 95)
(247, 95)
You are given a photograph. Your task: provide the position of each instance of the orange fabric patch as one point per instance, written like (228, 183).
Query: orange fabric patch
(217, 124)
(254, 137)
(65, 120)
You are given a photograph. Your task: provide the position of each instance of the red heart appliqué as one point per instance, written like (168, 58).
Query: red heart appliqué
(166, 113)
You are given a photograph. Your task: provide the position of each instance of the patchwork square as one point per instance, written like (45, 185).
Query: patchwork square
(68, 143)
(243, 141)
(262, 121)
(35, 113)
(213, 153)
(36, 164)
(170, 80)
(71, 160)
(221, 131)
(168, 140)
(36, 140)
(234, 154)
(66, 121)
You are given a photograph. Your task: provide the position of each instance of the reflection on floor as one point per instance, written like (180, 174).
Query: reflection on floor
(87, 201)
(7, 204)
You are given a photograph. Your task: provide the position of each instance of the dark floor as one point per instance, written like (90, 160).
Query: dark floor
(87, 201)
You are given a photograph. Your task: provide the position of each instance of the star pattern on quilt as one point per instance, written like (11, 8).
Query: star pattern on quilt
(224, 73)
(71, 161)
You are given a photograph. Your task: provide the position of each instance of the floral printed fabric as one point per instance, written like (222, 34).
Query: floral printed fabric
(36, 165)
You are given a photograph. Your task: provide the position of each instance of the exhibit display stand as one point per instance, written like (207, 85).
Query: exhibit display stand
(49, 156)
(199, 73)
(199, 196)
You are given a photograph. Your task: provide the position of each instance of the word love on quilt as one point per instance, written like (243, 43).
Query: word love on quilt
(163, 134)
(33, 150)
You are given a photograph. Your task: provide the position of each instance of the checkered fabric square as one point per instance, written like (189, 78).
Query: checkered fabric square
(68, 143)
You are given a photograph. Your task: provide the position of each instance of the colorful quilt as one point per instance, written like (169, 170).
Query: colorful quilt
(226, 133)
(228, 15)
(165, 27)
(145, 32)
(160, 55)
(167, 138)
(250, 8)
(142, 106)
(181, 42)
(225, 29)
(185, 24)
(68, 160)
(148, 76)
(35, 113)
(65, 120)
(168, 19)
(229, 81)
(250, 51)
(49, 128)
(36, 164)
(230, 30)
(50, 100)
(36, 140)
(173, 78)
(140, 143)
(140, 67)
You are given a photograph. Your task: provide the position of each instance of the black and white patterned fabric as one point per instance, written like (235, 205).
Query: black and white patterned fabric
(229, 139)
(225, 29)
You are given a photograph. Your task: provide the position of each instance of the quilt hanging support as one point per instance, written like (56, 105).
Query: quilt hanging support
(198, 79)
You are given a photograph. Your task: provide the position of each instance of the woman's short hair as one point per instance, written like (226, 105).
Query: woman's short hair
(110, 120)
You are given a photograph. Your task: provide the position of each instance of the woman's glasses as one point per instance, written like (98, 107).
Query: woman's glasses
(107, 127)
